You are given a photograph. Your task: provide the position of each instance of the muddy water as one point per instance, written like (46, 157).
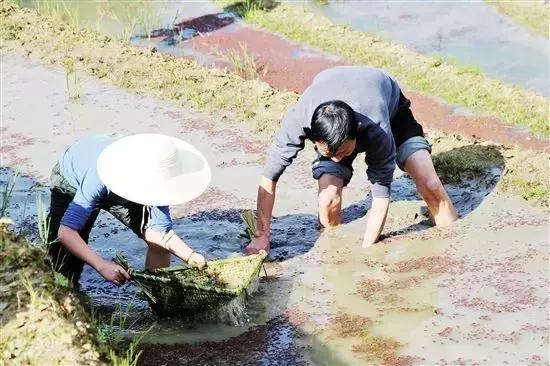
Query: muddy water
(470, 33)
(121, 19)
(468, 294)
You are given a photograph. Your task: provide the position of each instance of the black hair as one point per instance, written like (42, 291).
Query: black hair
(333, 123)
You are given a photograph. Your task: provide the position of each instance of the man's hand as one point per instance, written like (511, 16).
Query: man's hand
(112, 272)
(375, 220)
(197, 260)
(257, 244)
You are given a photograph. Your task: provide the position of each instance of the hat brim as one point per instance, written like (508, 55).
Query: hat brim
(122, 174)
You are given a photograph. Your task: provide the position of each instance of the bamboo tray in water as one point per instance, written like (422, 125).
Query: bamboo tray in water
(183, 290)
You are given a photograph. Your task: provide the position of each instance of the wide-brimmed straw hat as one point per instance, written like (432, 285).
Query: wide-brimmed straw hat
(153, 169)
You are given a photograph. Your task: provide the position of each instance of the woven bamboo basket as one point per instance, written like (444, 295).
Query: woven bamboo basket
(186, 290)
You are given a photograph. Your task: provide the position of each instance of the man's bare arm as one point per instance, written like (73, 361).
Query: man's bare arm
(265, 203)
(376, 220)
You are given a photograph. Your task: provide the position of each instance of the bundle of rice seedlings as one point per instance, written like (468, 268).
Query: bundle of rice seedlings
(248, 218)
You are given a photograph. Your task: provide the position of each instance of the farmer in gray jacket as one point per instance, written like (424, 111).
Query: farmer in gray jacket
(346, 111)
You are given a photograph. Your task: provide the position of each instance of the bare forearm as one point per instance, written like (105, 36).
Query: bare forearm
(73, 242)
(376, 220)
(169, 241)
(265, 203)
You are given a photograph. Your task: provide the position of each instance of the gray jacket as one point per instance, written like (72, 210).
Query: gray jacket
(373, 95)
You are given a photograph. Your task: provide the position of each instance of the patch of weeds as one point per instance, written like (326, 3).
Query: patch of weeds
(246, 8)
(244, 64)
(110, 335)
(71, 79)
(61, 10)
(42, 323)
(466, 161)
(6, 193)
(529, 190)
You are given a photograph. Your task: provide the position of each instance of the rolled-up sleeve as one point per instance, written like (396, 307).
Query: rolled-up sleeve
(287, 142)
(160, 220)
(380, 157)
(85, 201)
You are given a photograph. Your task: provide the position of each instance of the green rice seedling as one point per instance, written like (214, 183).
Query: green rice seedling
(43, 221)
(248, 219)
(60, 10)
(6, 193)
(71, 79)
(110, 334)
(148, 19)
(129, 358)
(244, 64)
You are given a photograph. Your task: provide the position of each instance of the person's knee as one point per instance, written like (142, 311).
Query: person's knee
(329, 199)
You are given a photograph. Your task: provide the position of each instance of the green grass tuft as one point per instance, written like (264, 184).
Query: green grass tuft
(470, 160)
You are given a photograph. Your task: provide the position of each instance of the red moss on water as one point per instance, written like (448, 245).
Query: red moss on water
(508, 219)
(382, 350)
(297, 317)
(403, 283)
(432, 265)
(348, 325)
(367, 288)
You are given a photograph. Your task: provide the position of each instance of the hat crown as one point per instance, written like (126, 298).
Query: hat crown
(162, 158)
(153, 169)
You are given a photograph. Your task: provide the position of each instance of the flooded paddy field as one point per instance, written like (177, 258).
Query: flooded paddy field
(475, 293)
(423, 295)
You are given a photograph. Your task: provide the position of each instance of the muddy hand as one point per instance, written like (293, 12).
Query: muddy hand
(196, 260)
(114, 273)
(257, 244)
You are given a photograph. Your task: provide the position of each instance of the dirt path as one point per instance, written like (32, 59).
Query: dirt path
(285, 65)
(474, 293)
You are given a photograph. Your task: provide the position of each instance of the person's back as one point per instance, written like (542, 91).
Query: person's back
(371, 92)
(80, 159)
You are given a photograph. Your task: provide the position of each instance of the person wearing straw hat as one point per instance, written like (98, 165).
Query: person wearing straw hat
(134, 178)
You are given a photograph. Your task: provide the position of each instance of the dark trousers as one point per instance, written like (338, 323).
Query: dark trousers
(132, 215)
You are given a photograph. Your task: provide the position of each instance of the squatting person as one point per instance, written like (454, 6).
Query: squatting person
(134, 178)
(349, 110)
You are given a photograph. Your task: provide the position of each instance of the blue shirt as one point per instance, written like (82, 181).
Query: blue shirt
(78, 165)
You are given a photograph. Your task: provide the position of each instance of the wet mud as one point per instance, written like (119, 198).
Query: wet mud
(479, 284)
